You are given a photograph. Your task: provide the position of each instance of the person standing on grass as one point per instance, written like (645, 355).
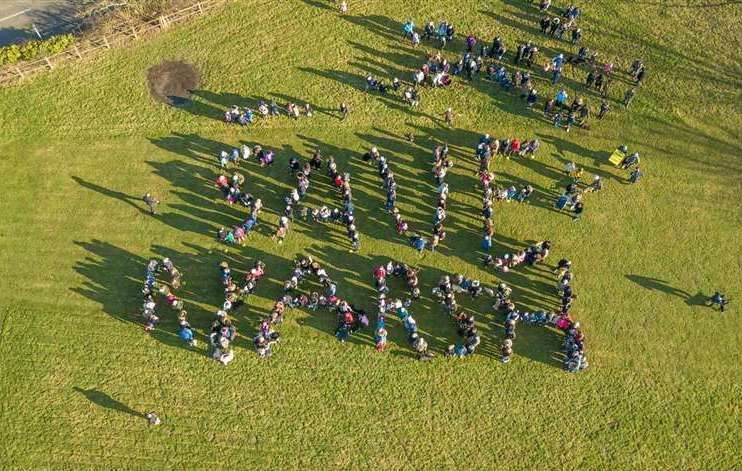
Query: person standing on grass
(343, 111)
(719, 299)
(151, 203)
(640, 75)
(408, 28)
(604, 109)
(343, 7)
(578, 210)
(448, 116)
(152, 418)
(629, 97)
(635, 175)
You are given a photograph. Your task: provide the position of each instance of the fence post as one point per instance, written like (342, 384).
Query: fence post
(20, 72)
(163, 23)
(48, 62)
(77, 52)
(105, 40)
(200, 8)
(134, 32)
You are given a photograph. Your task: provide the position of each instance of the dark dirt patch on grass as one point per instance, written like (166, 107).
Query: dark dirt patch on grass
(171, 82)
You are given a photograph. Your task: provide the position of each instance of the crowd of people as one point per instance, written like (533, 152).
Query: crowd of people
(223, 331)
(232, 191)
(573, 345)
(481, 56)
(302, 174)
(155, 287)
(448, 287)
(400, 308)
(246, 115)
(531, 255)
(342, 183)
(390, 186)
(478, 58)
(350, 318)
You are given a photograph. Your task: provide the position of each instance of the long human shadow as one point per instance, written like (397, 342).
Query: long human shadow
(656, 284)
(131, 200)
(104, 400)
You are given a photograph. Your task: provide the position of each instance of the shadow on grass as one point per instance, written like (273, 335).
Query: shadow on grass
(131, 200)
(655, 284)
(102, 399)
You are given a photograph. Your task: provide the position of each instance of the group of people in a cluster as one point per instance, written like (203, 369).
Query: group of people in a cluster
(574, 339)
(156, 287)
(350, 318)
(573, 345)
(302, 174)
(448, 287)
(246, 115)
(478, 55)
(400, 308)
(232, 191)
(342, 183)
(223, 331)
(390, 186)
(264, 157)
(443, 33)
(629, 161)
(564, 115)
(531, 255)
(556, 26)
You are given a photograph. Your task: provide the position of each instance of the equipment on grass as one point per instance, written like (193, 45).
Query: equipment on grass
(618, 155)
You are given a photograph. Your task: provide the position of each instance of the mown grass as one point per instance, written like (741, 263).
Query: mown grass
(81, 144)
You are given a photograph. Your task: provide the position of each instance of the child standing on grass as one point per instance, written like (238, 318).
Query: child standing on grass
(635, 175)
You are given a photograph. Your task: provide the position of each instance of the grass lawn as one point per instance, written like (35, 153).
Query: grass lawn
(81, 144)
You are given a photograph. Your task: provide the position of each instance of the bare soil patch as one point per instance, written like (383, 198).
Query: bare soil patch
(171, 82)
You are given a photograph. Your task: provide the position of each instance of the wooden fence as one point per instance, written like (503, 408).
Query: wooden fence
(121, 34)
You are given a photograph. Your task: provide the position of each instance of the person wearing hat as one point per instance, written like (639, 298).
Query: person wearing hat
(186, 334)
(380, 337)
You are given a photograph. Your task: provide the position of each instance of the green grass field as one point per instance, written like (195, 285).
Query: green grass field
(81, 144)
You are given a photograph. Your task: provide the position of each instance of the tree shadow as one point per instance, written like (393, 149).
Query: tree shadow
(104, 400)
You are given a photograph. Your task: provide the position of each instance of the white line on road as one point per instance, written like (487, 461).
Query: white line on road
(14, 15)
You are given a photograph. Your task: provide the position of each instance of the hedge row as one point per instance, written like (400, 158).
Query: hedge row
(34, 49)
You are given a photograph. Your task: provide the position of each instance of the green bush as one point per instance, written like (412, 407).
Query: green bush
(34, 49)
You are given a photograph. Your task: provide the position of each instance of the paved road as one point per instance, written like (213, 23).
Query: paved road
(16, 17)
